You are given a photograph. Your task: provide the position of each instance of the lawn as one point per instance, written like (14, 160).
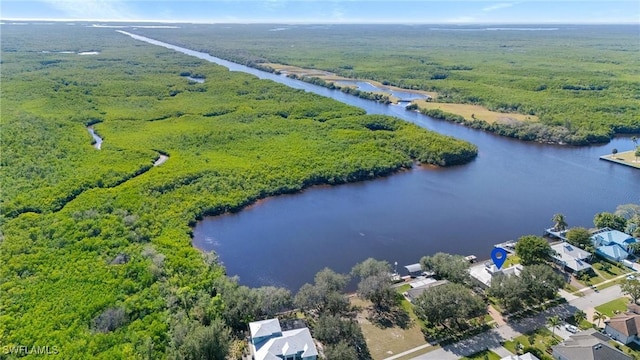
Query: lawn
(610, 272)
(594, 278)
(609, 308)
(540, 339)
(385, 342)
(627, 157)
(483, 355)
(512, 259)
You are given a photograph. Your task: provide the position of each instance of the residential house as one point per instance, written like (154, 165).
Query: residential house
(414, 270)
(419, 287)
(571, 257)
(612, 244)
(483, 273)
(624, 327)
(587, 345)
(269, 342)
(527, 356)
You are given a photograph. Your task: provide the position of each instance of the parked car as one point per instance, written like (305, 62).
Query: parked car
(571, 328)
(630, 277)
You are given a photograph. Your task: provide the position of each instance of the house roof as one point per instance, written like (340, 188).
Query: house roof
(608, 236)
(262, 328)
(586, 345)
(614, 251)
(413, 268)
(627, 324)
(291, 342)
(577, 265)
(422, 282)
(417, 291)
(484, 272)
(567, 251)
(527, 356)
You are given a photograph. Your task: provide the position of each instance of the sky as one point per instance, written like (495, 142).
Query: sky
(329, 11)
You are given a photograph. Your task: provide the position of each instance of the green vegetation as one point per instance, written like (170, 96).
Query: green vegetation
(447, 267)
(95, 248)
(533, 250)
(610, 220)
(536, 342)
(609, 309)
(581, 82)
(483, 355)
(535, 285)
(631, 287)
(580, 237)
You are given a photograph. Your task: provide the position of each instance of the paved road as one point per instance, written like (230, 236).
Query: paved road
(492, 339)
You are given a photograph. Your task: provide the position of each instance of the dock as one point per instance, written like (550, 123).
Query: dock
(508, 246)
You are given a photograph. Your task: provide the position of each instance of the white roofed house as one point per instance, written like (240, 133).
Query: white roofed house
(571, 257)
(483, 273)
(269, 342)
(414, 270)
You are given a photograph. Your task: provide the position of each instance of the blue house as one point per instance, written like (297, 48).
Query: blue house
(612, 244)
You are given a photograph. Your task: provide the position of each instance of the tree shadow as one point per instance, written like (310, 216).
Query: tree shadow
(386, 318)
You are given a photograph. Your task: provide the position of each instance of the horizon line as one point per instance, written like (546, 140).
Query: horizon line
(289, 22)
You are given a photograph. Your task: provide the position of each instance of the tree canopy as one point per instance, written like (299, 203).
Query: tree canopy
(610, 220)
(449, 304)
(533, 250)
(579, 236)
(447, 266)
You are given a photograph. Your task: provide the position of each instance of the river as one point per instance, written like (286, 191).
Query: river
(513, 188)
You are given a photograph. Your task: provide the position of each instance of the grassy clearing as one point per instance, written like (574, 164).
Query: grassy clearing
(384, 342)
(626, 157)
(331, 77)
(541, 339)
(611, 307)
(471, 112)
(483, 355)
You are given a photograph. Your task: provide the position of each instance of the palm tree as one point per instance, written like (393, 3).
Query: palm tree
(560, 222)
(598, 316)
(579, 316)
(554, 322)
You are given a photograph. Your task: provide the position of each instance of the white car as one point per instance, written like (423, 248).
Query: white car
(571, 328)
(630, 277)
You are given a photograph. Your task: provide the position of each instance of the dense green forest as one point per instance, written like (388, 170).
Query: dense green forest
(95, 250)
(583, 82)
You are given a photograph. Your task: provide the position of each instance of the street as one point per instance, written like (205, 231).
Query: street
(492, 339)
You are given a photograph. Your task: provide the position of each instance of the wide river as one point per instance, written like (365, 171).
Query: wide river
(513, 188)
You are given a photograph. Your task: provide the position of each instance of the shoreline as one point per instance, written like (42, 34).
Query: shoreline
(616, 159)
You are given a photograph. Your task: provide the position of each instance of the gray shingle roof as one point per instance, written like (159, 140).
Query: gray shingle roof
(585, 346)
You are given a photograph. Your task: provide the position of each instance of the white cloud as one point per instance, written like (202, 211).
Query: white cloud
(93, 9)
(497, 7)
